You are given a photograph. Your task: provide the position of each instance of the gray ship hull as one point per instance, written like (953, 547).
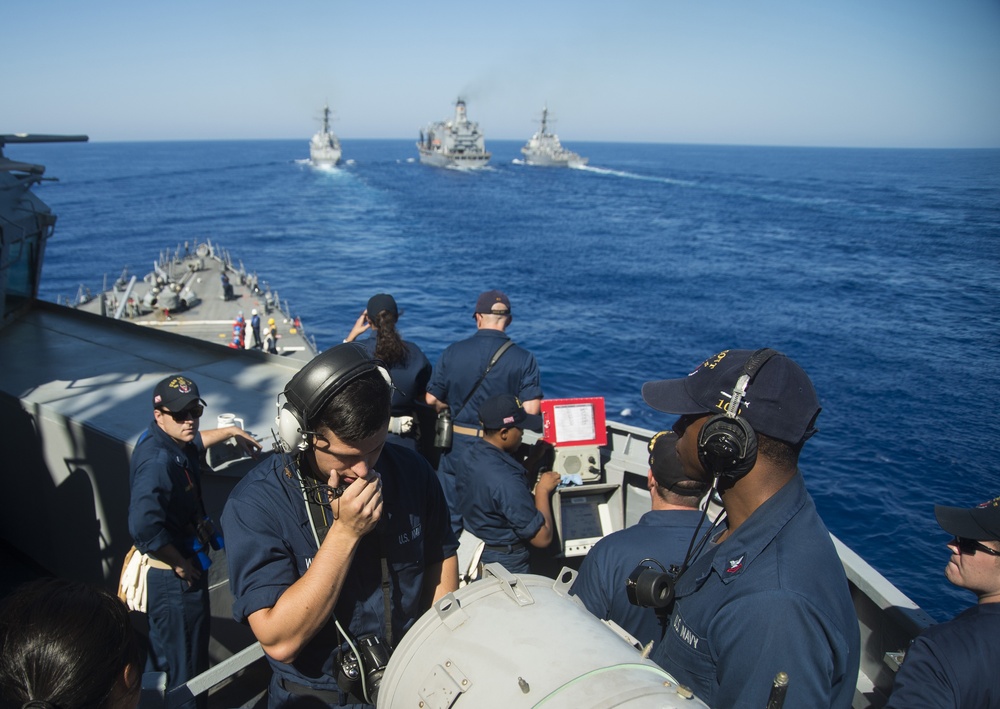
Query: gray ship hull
(437, 158)
(547, 160)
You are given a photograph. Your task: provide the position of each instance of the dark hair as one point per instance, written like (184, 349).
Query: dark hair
(784, 455)
(675, 498)
(389, 345)
(360, 409)
(65, 643)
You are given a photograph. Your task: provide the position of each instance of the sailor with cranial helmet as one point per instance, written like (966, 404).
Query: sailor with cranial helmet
(341, 540)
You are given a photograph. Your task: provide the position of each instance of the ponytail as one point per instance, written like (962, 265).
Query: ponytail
(389, 345)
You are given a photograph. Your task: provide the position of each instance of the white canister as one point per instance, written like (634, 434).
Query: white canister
(226, 420)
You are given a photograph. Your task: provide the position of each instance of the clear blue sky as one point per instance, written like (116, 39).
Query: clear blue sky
(889, 73)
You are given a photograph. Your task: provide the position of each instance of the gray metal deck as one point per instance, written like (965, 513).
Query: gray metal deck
(75, 394)
(192, 274)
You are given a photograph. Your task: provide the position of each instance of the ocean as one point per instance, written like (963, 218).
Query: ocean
(877, 270)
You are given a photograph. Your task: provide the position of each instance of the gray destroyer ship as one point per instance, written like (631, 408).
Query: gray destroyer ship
(454, 143)
(324, 148)
(545, 149)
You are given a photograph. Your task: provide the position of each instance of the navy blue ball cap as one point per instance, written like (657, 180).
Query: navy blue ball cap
(506, 411)
(667, 469)
(486, 301)
(780, 400)
(379, 302)
(176, 393)
(981, 523)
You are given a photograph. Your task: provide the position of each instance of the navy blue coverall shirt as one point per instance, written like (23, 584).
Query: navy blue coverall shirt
(771, 598)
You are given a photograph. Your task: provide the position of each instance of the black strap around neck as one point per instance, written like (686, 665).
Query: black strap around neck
(496, 355)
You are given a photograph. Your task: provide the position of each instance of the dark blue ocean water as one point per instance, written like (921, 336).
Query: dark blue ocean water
(877, 270)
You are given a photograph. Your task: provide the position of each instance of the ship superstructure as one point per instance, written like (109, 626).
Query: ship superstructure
(454, 143)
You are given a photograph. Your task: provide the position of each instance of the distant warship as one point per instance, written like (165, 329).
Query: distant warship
(454, 143)
(544, 149)
(324, 148)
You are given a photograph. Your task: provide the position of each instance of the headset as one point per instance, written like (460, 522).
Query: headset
(313, 386)
(727, 445)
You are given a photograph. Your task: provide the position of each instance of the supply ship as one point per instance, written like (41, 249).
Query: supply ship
(454, 143)
(75, 396)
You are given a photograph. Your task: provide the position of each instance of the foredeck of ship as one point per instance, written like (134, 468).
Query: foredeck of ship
(209, 316)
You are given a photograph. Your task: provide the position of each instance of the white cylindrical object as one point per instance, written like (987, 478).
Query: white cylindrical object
(521, 641)
(226, 420)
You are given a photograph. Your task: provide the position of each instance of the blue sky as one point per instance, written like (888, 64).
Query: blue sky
(866, 73)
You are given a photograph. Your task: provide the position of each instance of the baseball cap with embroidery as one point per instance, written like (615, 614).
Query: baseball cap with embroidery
(780, 400)
(176, 393)
(506, 411)
(981, 523)
(667, 468)
(490, 298)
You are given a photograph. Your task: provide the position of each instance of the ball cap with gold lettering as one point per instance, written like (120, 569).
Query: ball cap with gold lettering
(981, 523)
(176, 393)
(506, 411)
(780, 401)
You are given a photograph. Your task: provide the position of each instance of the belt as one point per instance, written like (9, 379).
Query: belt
(467, 431)
(329, 696)
(155, 563)
(506, 548)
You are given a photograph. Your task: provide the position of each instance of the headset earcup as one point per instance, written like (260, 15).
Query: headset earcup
(727, 447)
(290, 431)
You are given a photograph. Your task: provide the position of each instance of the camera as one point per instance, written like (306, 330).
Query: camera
(374, 656)
(648, 588)
(207, 533)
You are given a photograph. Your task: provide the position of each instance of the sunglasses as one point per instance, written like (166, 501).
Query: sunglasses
(192, 412)
(971, 546)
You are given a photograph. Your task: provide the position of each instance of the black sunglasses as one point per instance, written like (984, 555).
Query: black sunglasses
(971, 546)
(192, 412)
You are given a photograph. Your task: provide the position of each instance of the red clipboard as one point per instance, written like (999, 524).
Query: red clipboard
(574, 422)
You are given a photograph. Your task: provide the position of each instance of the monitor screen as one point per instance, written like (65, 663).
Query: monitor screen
(581, 517)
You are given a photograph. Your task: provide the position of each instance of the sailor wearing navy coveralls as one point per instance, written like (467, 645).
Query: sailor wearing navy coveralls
(769, 593)
(409, 367)
(165, 511)
(456, 373)
(953, 665)
(493, 490)
(663, 534)
(377, 511)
